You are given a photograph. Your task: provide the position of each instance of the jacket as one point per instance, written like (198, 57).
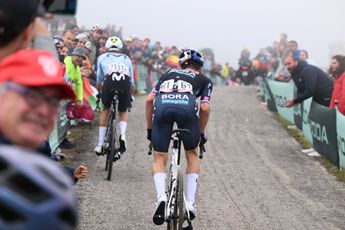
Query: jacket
(339, 93)
(312, 82)
(73, 76)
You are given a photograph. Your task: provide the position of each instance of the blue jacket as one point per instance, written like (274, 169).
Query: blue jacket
(312, 82)
(44, 150)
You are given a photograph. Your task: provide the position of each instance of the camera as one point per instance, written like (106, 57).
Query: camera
(60, 6)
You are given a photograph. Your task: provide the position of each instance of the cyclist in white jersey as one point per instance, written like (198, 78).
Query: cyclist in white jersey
(114, 72)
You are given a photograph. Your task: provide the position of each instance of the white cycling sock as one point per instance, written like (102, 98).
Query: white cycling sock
(192, 184)
(101, 134)
(122, 127)
(159, 179)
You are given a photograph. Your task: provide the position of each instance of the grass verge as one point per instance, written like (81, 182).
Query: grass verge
(300, 138)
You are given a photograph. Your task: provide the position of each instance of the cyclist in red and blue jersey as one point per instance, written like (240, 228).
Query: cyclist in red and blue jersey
(174, 99)
(114, 72)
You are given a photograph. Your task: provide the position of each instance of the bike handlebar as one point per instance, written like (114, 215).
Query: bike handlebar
(150, 149)
(202, 151)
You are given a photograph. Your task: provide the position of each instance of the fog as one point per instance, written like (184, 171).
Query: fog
(226, 26)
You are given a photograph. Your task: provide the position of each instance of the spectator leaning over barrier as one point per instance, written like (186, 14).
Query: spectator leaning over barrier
(31, 88)
(310, 82)
(338, 73)
(73, 74)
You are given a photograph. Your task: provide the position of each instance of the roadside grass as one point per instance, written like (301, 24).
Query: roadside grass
(300, 138)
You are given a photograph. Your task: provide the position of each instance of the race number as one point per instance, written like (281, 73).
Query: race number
(116, 67)
(179, 86)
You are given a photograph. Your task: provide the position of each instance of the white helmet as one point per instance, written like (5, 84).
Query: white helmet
(113, 43)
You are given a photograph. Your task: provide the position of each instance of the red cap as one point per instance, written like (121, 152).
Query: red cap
(34, 68)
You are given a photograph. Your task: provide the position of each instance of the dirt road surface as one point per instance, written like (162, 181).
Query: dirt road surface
(254, 175)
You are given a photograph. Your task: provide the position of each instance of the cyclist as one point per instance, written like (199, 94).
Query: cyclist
(173, 99)
(114, 72)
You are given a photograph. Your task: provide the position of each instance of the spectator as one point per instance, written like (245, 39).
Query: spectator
(310, 82)
(61, 49)
(31, 88)
(94, 36)
(304, 56)
(338, 73)
(293, 48)
(74, 29)
(283, 39)
(73, 74)
(68, 38)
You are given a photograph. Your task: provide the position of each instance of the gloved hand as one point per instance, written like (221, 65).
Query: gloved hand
(203, 138)
(149, 133)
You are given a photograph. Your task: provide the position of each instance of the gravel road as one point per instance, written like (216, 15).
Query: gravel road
(254, 175)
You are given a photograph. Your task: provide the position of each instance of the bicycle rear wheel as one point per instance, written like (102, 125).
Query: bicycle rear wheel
(111, 152)
(108, 136)
(180, 201)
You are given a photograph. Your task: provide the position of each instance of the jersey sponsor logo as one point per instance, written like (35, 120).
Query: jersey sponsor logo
(177, 99)
(175, 102)
(175, 96)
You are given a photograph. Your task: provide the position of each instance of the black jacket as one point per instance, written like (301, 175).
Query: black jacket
(312, 82)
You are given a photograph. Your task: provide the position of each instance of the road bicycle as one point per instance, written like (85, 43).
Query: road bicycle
(111, 142)
(175, 209)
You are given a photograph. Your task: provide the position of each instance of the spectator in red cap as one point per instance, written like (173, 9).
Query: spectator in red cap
(31, 88)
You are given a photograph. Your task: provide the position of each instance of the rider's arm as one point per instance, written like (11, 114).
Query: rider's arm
(131, 74)
(204, 112)
(99, 75)
(149, 109)
(204, 115)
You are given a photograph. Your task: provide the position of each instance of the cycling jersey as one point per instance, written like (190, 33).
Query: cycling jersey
(184, 81)
(115, 71)
(176, 101)
(116, 65)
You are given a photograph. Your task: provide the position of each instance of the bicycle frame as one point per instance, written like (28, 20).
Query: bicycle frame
(176, 199)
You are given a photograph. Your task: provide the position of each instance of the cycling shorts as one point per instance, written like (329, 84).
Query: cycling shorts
(169, 108)
(124, 95)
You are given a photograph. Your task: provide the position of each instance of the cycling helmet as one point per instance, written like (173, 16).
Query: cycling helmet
(35, 193)
(189, 57)
(113, 43)
(97, 27)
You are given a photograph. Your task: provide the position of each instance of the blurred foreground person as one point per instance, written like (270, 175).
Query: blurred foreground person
(35, 193)
(31, 88)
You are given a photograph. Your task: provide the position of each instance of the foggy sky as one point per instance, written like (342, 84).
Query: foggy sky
(226, 26)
